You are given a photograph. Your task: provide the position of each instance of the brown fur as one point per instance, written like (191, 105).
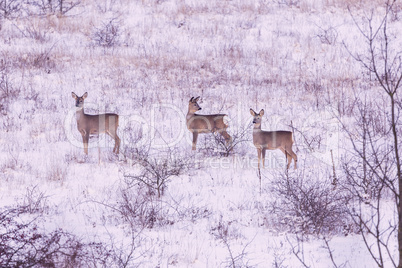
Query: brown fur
(271, 140)
(95, 124)
(211, 123)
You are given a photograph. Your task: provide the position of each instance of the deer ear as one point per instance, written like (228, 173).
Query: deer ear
(74, 95)
(196, 99)
(252, 112)
(192, 98)
(85, 95)
(262, 112)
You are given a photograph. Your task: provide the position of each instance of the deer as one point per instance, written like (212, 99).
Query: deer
(271, 140)
(88, 124)
(211, 123)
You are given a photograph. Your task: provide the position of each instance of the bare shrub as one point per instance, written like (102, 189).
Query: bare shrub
(8, 90)
(297, 245)
(216, 145)
(9, 8)
(137, 208)
(316, 88)
(141, 209)
(395, 12)
(37, 33)
(305, 204)
(125, 253)
(327, 35)
(194, 213)
(279, 259)
(225, 232)
(35, 201)
(14, 160)
(139, 200)
(289, 3)
(369, 171)
(131, 134)
(107, 5)
(57, 172)
(41, 59)
(373, 167)
(155, 171)
(107, 35)
(23, 244)
(41, 7)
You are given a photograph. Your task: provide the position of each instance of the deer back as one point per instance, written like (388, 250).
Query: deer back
(272, 139)
(97, 124)
(206, 123)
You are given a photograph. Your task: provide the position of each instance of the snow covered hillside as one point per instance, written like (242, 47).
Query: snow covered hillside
(160, 204)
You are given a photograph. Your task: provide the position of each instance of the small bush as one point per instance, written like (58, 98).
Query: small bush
(289, 3)
(35, 201)
(225, 232)
(108, 35)
(56, 172)
(215, 145)
(61, 7)
(23, 244)
(40, 59)
(328, 35)
(141, 210)
(306, 205)
(9, 8)
(8, 90)
(37, 33)
(156, 171)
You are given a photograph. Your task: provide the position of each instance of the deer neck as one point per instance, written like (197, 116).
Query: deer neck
(190, 114)
(257, 128)
(79, 113)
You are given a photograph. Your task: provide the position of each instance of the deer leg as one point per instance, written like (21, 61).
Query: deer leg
(116, 138)
(263, 157)
(289, 160)
(259, 157)
(85, 139)
(195, 136)
(117, 144)
(294, 156)
(286, 156)
(113, 136)
(227, 137)
(291, 155)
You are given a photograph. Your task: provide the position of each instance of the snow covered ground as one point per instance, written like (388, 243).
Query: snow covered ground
(286, 57)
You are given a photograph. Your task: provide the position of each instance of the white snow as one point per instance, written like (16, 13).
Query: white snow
(236, 55)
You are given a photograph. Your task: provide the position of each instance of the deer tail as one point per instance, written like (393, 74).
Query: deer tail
(226, 120)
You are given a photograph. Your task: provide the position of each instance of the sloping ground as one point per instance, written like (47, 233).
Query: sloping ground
(144, 60)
